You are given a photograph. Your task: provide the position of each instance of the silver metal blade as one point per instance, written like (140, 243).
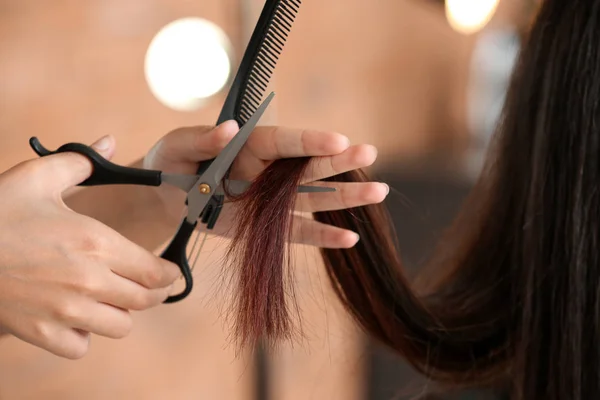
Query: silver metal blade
(218, 168)
(237, 187)
(183, 182)
(315, 189)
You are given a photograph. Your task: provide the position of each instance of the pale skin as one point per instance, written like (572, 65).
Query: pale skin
(76, 265)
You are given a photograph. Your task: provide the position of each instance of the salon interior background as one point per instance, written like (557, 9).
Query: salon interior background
(422, 80)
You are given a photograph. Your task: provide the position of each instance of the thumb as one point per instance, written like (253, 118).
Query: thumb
(105, 146)
(65, 170)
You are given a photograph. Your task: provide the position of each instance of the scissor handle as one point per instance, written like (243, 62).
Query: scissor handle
(107, 173)
(104, 172)
(176, 253)
(176, 250)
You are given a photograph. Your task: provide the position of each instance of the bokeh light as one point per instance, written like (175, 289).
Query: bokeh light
(469, 16)
(187, 62)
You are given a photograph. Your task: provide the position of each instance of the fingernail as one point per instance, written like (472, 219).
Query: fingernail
(103, 144)
(346, 140)
(387, 188)
(374, 150)
(230, 124)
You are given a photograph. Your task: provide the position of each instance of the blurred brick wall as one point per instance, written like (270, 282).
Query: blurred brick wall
(386, 72)
(73, 70)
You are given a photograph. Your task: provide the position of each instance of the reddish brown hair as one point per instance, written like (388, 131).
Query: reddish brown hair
(514, 291)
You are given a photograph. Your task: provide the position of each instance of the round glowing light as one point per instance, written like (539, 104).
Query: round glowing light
(469, 16)
(186, 62)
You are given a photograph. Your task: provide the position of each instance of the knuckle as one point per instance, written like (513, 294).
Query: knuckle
(63, 344)
(92, 243)
(84, 282)
(89, 284)
(153, 277)
(84, 244)
(333, 167)
(343, 197)
(304, 135)
(274, 142)
(141, 300)
(42, 331)
(67, 311)
(80, 246)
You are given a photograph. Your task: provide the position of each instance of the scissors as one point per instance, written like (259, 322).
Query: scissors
(202, 190)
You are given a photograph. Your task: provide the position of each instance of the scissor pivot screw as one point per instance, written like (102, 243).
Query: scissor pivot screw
(204, 188)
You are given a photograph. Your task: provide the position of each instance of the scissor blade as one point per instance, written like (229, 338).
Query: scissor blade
(237, 187)
(183, 182)
(315, 189)
(197, 200)
(218, 168)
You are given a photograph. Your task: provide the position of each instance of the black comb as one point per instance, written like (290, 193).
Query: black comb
(244, 98)
(260, 59)
(253, 76)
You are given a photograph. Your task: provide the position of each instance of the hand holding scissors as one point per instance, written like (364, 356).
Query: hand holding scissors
(202, 190)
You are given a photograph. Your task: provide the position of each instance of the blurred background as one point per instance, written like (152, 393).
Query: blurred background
(423, 80)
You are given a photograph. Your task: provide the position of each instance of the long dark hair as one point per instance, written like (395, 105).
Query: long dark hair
(513, 290)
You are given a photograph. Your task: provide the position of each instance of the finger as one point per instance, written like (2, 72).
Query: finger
(53, 337)
(272, 143)
(98, 318)
(347, 195)
(355, 157)
(141, 266)
(196, 144)
(128, 295)
(151, 274)
(310, 232)
(304, 231)
(105, 146)
(70, 343)
(58, 172)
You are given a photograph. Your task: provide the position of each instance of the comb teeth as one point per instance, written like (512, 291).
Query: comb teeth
(266, 58)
